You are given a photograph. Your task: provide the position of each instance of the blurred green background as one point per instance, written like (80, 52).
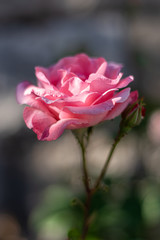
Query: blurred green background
(40, 180)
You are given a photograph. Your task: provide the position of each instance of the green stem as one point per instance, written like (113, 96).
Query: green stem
(86, 222)
(105, 167)
(84, 167)
(81, 137)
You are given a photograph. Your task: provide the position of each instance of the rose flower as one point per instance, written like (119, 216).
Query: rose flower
(77, 92)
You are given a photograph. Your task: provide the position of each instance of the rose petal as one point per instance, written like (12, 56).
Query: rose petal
(93, 110)
(20, 92)
(121, 96)
(85, 98)
(113, 70)
(99, 83)
(124, 82)
(56, 130)
(101, 70)
(105, 96)
(76, 86)
(120, 107)
(43, 76)
(117, 110)
(101, 107)
(38, 121)
(90, 119)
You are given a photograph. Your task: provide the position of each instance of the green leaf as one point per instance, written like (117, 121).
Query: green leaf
(74, 234)
(92, 238)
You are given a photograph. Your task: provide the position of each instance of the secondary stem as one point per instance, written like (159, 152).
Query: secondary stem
(104, 169)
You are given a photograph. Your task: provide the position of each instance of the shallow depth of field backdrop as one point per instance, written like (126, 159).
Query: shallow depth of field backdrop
(38, 180)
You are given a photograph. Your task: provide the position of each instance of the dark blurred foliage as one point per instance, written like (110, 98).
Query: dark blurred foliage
(127, 210)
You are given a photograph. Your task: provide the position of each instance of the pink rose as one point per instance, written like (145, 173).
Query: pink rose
(76, 92)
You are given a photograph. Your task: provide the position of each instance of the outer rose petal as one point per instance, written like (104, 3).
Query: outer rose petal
(21, 99)
(91, 120)
(27, 92)
(121, 96)
(46, 127)
(119, 107)
(117, 110)
(38, 121)
(26, 95)
(56, 130)
(124, 82)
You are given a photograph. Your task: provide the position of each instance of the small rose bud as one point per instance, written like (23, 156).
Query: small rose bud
(132, 116)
